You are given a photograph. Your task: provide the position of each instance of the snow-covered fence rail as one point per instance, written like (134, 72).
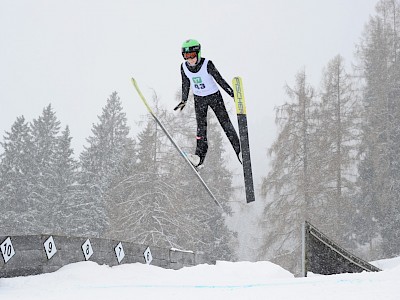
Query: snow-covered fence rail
(37, 254)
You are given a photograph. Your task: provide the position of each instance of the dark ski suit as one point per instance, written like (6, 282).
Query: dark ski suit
(215, 101)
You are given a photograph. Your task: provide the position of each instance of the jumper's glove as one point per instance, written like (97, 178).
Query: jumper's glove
(181, 105)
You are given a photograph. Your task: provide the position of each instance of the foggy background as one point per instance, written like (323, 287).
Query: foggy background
(74, 54)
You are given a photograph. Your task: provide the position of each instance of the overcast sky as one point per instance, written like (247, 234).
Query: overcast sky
(74, 54)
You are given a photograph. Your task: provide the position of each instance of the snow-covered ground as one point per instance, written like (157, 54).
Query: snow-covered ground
(225, 280)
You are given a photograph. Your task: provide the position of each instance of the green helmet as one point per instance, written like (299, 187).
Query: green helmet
(192, 46)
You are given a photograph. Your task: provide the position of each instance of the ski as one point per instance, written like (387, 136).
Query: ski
(181, 152)
(244, 138)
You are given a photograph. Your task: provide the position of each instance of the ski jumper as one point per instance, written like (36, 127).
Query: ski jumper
(202, 79)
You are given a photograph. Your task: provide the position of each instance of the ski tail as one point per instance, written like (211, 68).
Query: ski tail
(244, 138)
(181, 152)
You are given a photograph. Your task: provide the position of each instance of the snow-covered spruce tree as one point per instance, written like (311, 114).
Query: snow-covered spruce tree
(65, 187)
(55, 173)
(37, 175)
(16, 179)
(379, 170)
(44, 130)
(35, 181)
(292, 180)
(105, 162)
(162, 201)
(146, 202)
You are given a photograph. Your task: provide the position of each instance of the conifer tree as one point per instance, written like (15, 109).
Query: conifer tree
(37, 175)
(292, 179)
(45, 130)
(162, 202)
(64, 183)
(338, 133)
(379, 168)
(105, 162)
(146, 202)
(16, 178)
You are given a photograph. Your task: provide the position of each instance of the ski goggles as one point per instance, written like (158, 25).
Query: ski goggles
(189, 55)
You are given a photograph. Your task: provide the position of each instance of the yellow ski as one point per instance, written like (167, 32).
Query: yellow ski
(244, 137)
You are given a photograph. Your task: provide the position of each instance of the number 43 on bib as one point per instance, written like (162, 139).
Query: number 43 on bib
(244, 137)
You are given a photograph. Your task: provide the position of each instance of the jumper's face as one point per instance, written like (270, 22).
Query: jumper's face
(192, 61)
(190, 57)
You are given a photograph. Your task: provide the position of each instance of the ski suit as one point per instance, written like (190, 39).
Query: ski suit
(202, 79)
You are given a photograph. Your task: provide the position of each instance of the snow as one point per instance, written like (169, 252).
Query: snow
(386, 264)
(225, 280)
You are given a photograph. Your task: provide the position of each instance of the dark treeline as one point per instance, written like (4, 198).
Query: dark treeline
(336, 160)
(122, 187)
